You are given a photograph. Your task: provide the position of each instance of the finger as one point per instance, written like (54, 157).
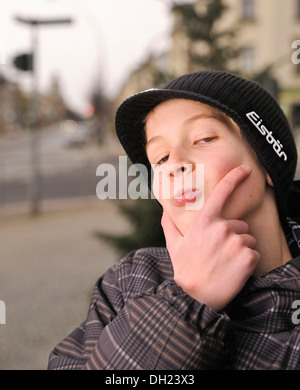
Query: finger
(247, 240)
(220, 194)
(238, 226)
(171, 232)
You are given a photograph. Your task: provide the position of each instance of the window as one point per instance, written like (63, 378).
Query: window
(247, 59)
(248, 9)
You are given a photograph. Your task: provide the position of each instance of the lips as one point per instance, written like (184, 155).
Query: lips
(185, 196)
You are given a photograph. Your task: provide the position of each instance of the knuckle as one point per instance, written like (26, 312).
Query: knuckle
(236, 245)
(205, 220)
(238, 241)
(224, 229)
(251, 258)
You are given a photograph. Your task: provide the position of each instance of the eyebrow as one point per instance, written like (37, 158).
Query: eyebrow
(185, 123)
(151, 140)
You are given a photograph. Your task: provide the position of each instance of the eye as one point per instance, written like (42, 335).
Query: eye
(205, 140)
(162, 160)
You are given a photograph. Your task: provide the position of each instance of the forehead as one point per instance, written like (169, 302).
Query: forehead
(167, 110)
(170, 111)
(178, 105)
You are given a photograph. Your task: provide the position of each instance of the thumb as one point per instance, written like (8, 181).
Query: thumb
(172, 235)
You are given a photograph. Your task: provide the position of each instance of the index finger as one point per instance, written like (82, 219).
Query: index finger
(222, 191)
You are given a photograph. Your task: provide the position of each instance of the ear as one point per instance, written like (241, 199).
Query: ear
(270, 181)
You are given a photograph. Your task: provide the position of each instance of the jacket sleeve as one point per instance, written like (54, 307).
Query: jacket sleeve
(161, 328)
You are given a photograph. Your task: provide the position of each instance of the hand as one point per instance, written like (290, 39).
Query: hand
(214, 259)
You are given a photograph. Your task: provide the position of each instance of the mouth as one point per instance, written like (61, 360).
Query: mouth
(183, 197)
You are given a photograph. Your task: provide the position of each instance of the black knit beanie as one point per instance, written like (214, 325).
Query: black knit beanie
(255, 111)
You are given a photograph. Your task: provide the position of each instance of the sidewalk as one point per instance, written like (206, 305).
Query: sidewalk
(49, 265)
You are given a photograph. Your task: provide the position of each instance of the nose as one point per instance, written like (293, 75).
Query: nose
(179, 164)
(177, 169)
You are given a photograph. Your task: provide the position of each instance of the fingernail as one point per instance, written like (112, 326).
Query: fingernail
(247, 168)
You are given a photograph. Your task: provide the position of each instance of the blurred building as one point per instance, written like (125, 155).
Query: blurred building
(15, 106)
(52, 107)
(150, 73)
(13, 103)
(265, 33)
(267, 30)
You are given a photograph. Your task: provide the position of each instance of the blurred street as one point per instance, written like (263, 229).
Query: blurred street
(64, 171)
(50, 262)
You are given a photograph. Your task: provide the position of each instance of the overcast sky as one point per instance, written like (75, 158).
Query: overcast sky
(107, 39)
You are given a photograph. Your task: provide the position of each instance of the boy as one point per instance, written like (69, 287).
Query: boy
(223, 294)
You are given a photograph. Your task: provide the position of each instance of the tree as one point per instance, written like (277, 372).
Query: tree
(144, 216)
(210, 47)
(266, 79)
(100, 118)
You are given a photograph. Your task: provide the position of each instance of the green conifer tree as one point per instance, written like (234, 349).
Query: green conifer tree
(144, 216)
(210, 47)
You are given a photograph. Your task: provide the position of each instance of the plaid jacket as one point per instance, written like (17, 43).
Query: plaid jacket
(140, 319)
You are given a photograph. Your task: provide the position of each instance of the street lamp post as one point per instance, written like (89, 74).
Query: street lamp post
(35, 174)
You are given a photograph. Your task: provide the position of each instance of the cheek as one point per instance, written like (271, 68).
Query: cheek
(161, 186)
(215, 172)
(155, 187)
(249, 191)
(248, 198)
(225, 159)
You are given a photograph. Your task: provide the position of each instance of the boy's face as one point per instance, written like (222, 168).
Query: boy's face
(183, 133)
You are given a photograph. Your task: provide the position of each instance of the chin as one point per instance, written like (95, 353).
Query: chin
(184, 221)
